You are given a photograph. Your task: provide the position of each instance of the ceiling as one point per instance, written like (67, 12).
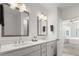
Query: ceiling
(67, 5)
(49, 6)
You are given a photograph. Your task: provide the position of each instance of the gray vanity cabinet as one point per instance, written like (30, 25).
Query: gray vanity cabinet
(27, 51)
(34, 51)
(51, 48)
(43, 49)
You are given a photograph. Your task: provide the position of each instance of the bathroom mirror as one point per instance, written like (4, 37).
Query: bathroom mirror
(41, 27)
(15, 23)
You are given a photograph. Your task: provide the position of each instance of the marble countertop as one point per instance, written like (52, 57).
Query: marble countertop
(72, 38)
(11, 47)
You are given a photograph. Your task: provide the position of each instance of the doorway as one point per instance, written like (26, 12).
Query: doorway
(71, 37)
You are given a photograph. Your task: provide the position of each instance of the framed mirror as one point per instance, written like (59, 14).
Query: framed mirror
(41, 26)
(14, 22)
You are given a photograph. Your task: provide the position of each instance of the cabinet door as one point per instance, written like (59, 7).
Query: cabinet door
(34, 53)
(51, 47)
(43, 49)
(50, 50)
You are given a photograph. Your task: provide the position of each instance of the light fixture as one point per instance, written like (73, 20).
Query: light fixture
(42, 17)
(45, 17)
(20, 6)
(13, 5)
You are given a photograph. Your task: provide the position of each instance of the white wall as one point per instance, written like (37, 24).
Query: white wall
(60, 37)
(52, 20)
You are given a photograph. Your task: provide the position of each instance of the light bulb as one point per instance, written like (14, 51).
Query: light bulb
(45, 17)
(42, 17)
(23, 8)
(13, 5)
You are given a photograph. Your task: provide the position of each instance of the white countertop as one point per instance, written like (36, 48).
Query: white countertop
(73, 38)
(10, 47)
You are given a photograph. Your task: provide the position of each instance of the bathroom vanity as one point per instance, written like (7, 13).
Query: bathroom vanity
(39, 48)
(16, 23)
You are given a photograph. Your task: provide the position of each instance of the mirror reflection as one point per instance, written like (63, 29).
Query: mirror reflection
(42, 25)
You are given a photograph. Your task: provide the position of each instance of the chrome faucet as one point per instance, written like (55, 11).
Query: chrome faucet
(34, 39)
(19, 41)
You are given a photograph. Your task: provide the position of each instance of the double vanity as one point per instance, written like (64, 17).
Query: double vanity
(29, 48)
(16, 22)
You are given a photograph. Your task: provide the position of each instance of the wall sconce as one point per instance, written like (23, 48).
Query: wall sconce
(51, 28)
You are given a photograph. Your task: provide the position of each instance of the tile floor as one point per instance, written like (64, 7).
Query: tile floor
(70, 51)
